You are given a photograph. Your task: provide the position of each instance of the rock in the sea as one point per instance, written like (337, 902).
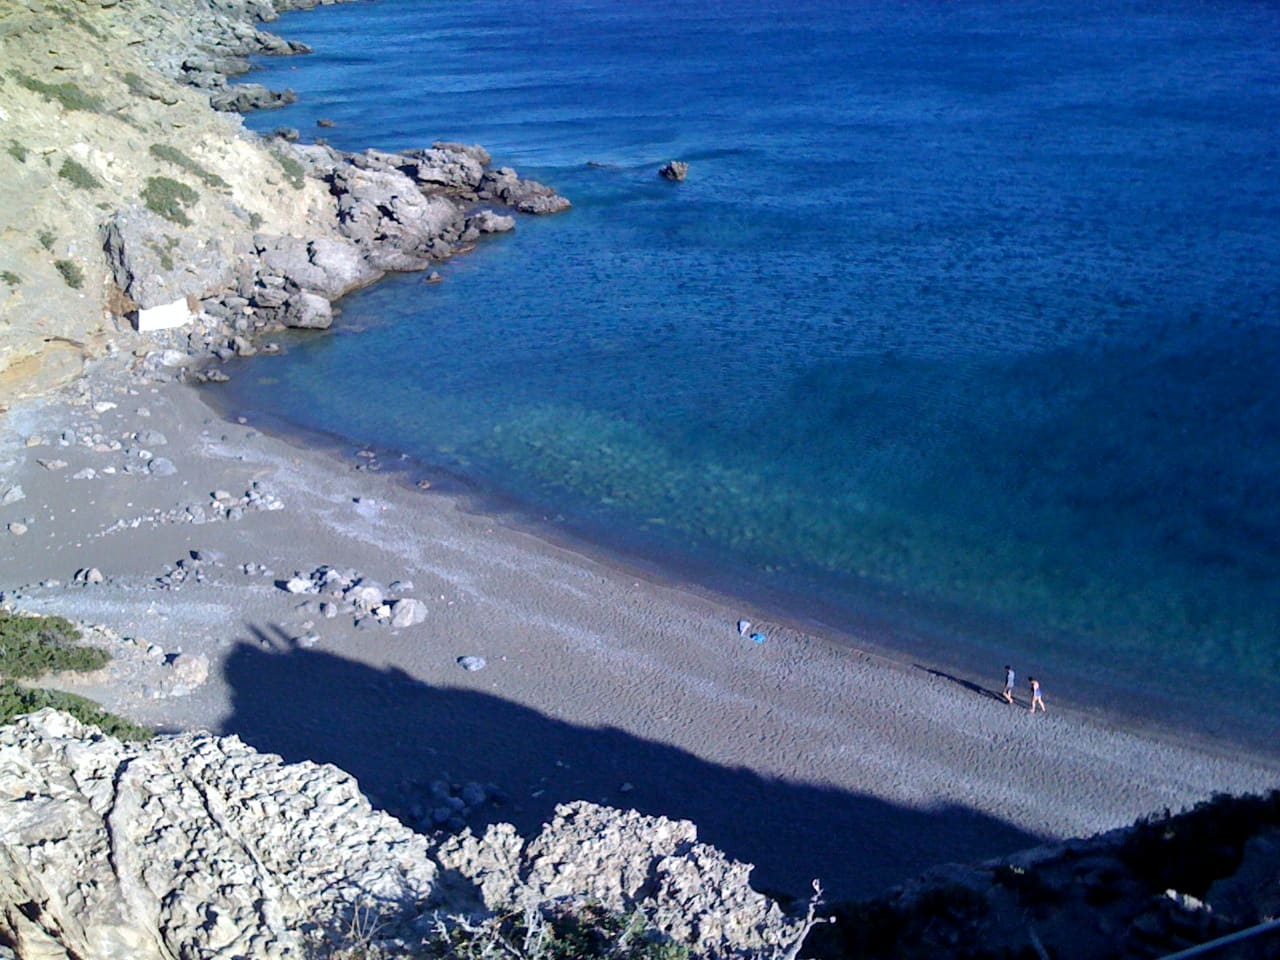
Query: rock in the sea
(527, 196)
(243, 97)
(674, 170)
(307, 311)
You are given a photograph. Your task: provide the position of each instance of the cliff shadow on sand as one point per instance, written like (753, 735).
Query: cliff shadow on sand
(401, 738)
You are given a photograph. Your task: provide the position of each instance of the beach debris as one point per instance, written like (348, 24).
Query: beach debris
(11, 494)
(34, 440)
(187, 672)
(87, 575)
(408, 613)
(17, 528)
(161, 467)
(472, 664)
(743, 627)
(758, 637)
(102, 406)
(53, 464)
(675, 170)
(88, 473)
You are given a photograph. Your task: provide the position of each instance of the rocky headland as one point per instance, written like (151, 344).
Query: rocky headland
(147, 237)
(132, 196)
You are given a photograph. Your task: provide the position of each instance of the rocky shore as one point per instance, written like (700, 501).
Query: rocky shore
(125, 201)
(532, 730)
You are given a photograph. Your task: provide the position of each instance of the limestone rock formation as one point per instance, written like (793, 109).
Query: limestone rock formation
(188, 846)
(627, 861)
(199, 846)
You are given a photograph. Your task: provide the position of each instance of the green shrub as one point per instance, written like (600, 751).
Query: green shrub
(34, 646)
(169, 198)
(137, 86)
(11, 278)
(17, 151)
(293, 170)
(71, 273)
(80, 176)
(67, 94)
(16, 700)
(46, 239)
(171, 154)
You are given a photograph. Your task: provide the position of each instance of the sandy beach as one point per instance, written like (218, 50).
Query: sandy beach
(807, 757)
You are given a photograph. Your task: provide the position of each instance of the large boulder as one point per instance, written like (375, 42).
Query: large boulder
(156, 263)
(330, 267)
(397, 227)
(527, 196)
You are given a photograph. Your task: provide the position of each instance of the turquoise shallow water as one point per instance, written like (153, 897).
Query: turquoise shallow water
(968, 313)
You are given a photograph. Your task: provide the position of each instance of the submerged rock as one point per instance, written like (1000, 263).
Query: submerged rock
(674, 170)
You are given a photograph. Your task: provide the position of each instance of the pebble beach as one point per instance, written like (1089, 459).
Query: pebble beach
(323, 605)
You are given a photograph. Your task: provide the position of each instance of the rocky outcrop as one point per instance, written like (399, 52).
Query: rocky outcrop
(122, 192)
(154, 264)
(199, 846)
(627, 861)
(674, 170)
(189, 846)
(1150, 890)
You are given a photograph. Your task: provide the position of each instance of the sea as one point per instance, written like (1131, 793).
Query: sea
(961, 334)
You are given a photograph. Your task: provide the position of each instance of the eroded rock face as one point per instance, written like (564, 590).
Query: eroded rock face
(627, 861)
(155, 263)
(189, 846)
(199, 846)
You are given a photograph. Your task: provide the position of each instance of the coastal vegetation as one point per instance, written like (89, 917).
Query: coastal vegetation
(67, 94)
(70, 272)
(169, 198)
(552, 931)
(171, 154)
(32, 647)
(79, 175)
(293, 170)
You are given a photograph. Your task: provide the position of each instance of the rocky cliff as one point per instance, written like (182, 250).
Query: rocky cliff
(131, 198)
(199, 846)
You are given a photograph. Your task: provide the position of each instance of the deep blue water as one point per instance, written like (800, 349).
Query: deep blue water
(967, 312)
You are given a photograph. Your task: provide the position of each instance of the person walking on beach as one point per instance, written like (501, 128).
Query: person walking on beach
(1008, 684)
(1036, 701)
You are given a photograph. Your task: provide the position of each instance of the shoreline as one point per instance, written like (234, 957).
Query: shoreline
(801, 755)
(251, 585)
(938, 639)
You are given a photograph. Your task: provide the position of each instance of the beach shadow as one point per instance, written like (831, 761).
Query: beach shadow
(397, 736)
(967, 684)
